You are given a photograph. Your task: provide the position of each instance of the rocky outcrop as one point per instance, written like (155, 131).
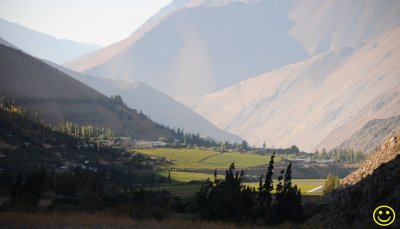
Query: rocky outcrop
(375, 183)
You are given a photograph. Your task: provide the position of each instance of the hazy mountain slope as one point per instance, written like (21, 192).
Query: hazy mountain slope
(165, 11)
(372, 134)
(191, 48)
(6, 43)
(58, 97)
(328, 25)
(176, 5)
(218, 3)
(304, 103)
(42, 45)
(197, 50)
(160, 107)
(376, 182)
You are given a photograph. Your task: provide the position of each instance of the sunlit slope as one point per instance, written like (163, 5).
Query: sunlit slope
(316, 103)
(197, 50)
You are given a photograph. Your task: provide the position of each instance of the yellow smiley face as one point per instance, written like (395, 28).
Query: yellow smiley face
(384, 215)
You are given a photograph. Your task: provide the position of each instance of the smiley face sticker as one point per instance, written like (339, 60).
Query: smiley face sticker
(384, 215)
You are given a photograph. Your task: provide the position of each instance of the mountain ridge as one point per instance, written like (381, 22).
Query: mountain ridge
(195, 54)
(158, 106)
(42, 45)
(340, 91)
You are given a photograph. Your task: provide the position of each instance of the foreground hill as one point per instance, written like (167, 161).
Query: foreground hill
(57, 97)
(42, 45)
(376, 182)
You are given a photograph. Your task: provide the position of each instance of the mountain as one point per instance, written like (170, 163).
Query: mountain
(57, 97)
(372, 134)
(376, 182)
(200, 48)
(195, 47)
(319, 102)
(42, 45)
(323, 26)
(6, 43)
(160, 107)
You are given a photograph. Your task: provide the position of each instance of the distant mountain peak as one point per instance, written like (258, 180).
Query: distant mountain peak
(42, 45)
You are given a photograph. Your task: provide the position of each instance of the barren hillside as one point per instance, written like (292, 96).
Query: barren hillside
(197, 50)
(320, 102)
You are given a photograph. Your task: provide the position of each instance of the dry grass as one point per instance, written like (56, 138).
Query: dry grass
(105, 221)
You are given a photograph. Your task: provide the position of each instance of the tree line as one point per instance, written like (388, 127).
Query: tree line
(229, 200)
(342, 155)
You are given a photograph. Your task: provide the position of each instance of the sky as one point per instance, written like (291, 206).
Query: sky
(92, 21)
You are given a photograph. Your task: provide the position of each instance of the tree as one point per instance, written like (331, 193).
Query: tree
(288, 198)
(264, 192)
(26, 195)
(245, 146)
(117, 99)
(323, 152)
(294, 149)
(331, 182)
(226, 199)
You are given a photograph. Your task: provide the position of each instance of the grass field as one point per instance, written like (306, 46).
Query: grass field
(178, 187)
(206, 159)
(195, 163)
(304, 184)
(186, 190)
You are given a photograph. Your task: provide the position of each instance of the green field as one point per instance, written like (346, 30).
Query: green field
(193, 164)
(186, 190)
(179, 189)
(207, 159)
(304, 184)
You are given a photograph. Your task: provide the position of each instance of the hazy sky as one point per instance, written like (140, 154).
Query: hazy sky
(93, 21)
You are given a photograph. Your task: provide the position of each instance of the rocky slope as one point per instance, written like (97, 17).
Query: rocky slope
(376, 182)
(388, 151)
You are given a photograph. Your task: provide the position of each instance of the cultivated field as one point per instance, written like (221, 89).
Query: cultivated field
(189, 190)
(198, 165)
(196, 159)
